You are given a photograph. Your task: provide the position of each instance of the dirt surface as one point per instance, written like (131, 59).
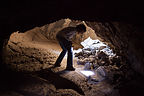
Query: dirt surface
(42, 79)
(51, 81)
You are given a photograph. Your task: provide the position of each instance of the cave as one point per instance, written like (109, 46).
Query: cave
(110, 66)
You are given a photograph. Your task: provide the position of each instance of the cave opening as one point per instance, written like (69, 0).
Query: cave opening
(99, 60)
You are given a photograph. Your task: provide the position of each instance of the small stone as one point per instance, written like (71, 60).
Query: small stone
(102, 47)
(81, 62)
(87, 66)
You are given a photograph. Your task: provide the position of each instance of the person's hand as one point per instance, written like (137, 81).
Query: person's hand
(72, 45)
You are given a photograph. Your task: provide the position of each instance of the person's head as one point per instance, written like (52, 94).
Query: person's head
(81, 28)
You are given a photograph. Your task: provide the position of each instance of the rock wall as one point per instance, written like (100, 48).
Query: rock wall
(21, 54)
(126, 39)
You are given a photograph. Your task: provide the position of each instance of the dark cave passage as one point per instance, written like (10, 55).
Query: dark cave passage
(29, 49)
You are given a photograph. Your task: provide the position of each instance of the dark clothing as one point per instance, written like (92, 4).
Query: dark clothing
(66, 33)
(64, 37)
(66, 46)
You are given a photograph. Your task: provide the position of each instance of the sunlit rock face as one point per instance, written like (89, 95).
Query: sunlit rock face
(22, 54)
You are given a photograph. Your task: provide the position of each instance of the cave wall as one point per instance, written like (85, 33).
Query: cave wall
(20, 54)
(126, 40)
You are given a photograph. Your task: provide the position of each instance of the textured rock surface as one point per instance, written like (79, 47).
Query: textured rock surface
(105, 64)
(22, 54)
(33, 85)
(126, 39)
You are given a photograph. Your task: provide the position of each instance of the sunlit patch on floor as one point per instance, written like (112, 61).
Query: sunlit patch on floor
(87, 73)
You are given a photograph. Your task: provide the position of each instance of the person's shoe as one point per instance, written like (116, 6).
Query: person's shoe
(70, 69)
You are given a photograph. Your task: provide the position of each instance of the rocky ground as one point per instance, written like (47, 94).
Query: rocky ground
(33, 73)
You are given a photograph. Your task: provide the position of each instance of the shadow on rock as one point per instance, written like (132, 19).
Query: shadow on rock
(58, 81)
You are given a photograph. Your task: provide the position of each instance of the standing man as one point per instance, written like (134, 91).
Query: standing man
(64, 38)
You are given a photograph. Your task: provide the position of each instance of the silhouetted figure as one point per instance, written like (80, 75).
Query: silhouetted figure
(64, 37)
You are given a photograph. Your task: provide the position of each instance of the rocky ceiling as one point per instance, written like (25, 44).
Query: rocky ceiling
(23, 15)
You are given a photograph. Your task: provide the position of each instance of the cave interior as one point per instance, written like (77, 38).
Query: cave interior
(29, 48)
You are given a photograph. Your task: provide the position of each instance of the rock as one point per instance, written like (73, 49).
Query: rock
(101, 55)
(87, 52)
(27, 56)
(102, 47)
(101, 71)
(95, 65)
(88, 66)
(86, 60)
(80, 57)
(85, 55)
(80, 62)
(100, 74)
(78, 54)
(91, 56)
(92, 60)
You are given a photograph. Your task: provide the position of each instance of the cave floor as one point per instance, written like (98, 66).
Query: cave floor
(53, 81)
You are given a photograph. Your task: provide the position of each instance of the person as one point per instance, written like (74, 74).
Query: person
(64, 38)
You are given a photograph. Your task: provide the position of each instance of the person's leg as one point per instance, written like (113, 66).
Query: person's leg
(69, 57)
(61, 56)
